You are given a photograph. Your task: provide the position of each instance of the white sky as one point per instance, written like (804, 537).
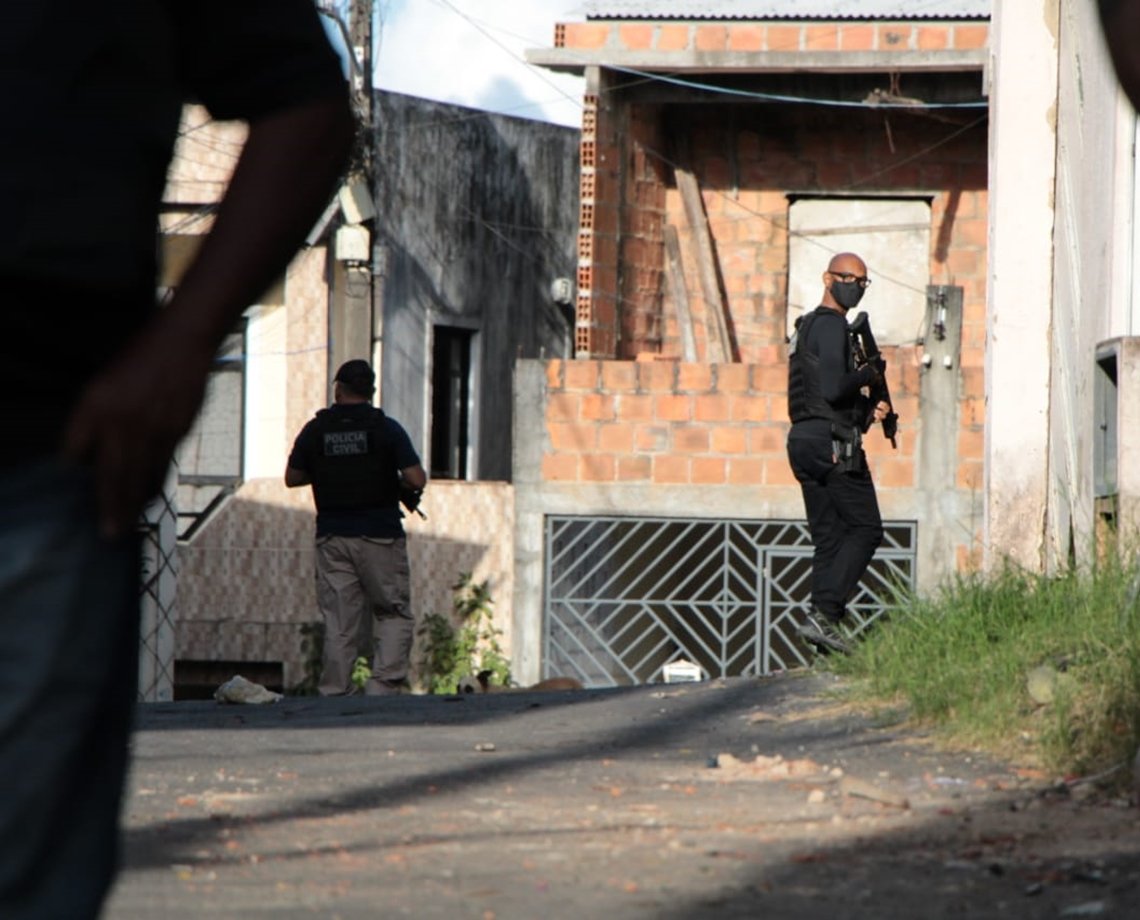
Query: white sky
(470, 52)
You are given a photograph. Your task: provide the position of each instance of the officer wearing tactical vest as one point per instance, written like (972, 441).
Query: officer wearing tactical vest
(829, 413)
(361, 465)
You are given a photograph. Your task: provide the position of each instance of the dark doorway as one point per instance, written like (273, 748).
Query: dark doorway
(450, 396)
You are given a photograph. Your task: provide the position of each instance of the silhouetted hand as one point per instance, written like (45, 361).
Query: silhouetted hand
(130, 418)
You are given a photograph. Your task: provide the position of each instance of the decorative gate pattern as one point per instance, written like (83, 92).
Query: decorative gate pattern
(626, 596)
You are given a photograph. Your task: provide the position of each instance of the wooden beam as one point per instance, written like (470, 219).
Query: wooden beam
(716, 310)
(675, 277)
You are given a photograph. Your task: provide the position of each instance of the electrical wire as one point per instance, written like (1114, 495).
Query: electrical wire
(643, 77)
(805, 100)
(449, 5)
(663, 158)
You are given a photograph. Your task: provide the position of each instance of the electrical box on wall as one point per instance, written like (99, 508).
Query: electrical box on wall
(1116, 436)
(356, 202)
(1105, 420)
(353, 243)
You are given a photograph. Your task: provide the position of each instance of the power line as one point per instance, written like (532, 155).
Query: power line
(805, 100)
(448, 5)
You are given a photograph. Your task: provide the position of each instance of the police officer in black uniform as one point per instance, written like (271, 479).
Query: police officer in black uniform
(361, 465)
(829, 412)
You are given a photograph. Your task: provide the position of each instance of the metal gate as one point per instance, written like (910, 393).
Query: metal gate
(626, 596)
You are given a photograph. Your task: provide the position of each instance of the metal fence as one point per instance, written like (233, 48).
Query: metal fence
(626, 596)
(157, 588)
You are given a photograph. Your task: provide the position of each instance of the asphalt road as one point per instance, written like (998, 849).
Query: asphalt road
(737, 798)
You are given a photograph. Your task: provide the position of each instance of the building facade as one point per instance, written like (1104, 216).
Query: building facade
(459, 282)
(728, 151)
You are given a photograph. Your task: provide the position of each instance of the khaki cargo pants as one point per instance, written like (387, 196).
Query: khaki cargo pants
(363, 594)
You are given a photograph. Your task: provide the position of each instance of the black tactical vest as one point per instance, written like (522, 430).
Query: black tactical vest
(805, 399)
(354, 461)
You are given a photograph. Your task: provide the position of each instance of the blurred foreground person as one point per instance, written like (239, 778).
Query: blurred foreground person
(98, 385)
(1121, 22)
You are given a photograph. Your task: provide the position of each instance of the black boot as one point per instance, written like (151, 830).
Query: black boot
(821, 631)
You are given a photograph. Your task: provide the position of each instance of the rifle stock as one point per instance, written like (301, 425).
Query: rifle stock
(867, 352)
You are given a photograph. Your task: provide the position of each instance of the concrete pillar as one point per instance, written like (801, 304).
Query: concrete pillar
(1023, 138)
(1128, 432)
(350, 335)
(528, 442)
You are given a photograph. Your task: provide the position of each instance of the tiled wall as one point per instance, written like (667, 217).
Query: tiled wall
(246, 582)
(204, 158)
(469, 528)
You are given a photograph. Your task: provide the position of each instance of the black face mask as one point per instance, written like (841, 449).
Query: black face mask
(846, 293)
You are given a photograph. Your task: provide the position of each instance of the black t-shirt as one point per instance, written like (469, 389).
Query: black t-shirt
(356, 522)
(92, 100)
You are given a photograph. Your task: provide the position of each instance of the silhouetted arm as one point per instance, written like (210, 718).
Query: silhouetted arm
(131, 417)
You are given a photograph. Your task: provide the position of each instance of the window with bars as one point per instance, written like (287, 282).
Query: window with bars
(210, 456)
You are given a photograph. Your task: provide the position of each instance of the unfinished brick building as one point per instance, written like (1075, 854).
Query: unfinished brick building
(728, 149)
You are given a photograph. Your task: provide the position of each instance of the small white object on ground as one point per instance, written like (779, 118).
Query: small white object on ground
(240, 690)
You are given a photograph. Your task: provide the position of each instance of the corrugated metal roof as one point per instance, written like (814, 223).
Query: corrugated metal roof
(786, 9)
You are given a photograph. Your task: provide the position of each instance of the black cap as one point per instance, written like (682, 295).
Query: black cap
(357, 375)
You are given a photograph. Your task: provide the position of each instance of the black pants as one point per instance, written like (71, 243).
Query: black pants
(843, 517)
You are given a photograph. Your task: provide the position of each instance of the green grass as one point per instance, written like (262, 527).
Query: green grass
(960, 661)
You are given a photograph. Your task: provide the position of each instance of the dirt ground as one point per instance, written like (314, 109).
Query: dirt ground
(735, 798)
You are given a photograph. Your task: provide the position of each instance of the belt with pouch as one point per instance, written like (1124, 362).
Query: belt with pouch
(847, 447)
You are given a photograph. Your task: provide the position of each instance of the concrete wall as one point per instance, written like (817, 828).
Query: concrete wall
(1092, 232)
(1128, 425)
(476, 219)
(1062, 243)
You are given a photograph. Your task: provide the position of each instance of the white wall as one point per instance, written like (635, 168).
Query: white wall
(1092, 235)
(266, 447)
(1023, 98)
(892, 235)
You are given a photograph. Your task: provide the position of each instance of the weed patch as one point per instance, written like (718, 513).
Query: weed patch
(963, 660)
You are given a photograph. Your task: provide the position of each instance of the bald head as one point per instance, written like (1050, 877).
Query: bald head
(844, 281)
(847, 263)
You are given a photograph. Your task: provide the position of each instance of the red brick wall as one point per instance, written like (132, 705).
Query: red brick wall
(666, 422)
(643, 235)
(791, 36)
(596, 324)
(782, 150)
(671, 422)
(749, 160)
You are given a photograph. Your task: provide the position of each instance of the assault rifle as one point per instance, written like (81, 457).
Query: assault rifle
(867, 352)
